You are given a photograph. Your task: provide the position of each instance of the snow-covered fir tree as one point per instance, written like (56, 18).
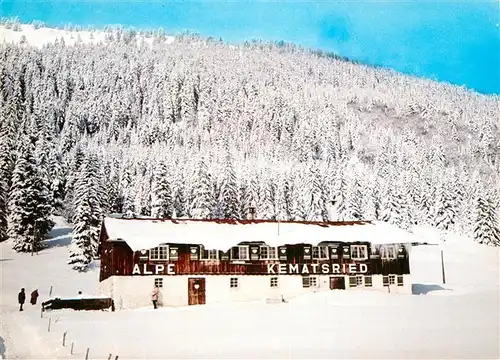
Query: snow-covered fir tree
(228, 192)
(203, 201)
(29, 203)
(340, 204)
(393, 209)
(180, 208)
(445, 211)
(3, 210)
(355, 200)
(88, 214)
(316, 198)
(486, 227)
(5, 174)
(162, 198)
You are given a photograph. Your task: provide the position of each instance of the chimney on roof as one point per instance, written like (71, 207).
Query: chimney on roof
(251, 213)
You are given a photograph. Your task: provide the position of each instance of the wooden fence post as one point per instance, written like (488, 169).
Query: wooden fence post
(87, 354)
(109, 357)
(50, 292)
(50, 320)
(64, 338)
(116, 358)
(72, 344)
(41, 312)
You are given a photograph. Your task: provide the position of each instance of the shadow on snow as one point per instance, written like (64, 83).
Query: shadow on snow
(58, 237)
(423, 289)
(2, 348)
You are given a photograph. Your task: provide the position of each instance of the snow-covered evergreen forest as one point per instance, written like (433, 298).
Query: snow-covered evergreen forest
(198, 128)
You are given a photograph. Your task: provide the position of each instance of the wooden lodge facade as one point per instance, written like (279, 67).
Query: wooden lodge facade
(138, 254)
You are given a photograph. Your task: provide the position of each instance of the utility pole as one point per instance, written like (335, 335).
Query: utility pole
(443, 238)
(442, 267)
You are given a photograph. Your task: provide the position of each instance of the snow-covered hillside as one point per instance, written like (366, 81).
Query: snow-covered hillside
(456, 320)
(42, 36)
(200, 129)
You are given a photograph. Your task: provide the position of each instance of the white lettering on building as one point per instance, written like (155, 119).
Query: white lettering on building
(325, 268)
(136, 270)
(352, 268)
(270, 268)
(282, 268)
(317, 268)
(158, 269)
(171, 269)
(305, 270)
(146, 272)
(336, 268)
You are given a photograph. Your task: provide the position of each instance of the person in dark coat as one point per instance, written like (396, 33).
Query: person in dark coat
(34, 297)
(21, 297)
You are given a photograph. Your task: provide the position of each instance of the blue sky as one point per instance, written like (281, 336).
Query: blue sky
(452, 41)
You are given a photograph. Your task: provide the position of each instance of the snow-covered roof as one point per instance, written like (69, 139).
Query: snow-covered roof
(223, 234)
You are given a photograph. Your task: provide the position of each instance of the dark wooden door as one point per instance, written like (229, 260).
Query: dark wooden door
(196, 291)
(337, 283)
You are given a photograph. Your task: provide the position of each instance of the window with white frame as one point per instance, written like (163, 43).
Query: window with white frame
(355, 281)
(400, 280)
(233, 283)
(385, 280)
(242, 253)
(388, 252)
(159, 253)
(392, 279)
(209, 254)
(274, 282)
(309, 281)
(368, 281)
(158, 282)
(268, 252)
(320, 252)
(359, 252)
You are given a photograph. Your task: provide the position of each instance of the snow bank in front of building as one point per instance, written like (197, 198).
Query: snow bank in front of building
(145, 234)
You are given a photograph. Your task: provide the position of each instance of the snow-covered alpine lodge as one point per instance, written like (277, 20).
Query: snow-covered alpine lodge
(212, 261)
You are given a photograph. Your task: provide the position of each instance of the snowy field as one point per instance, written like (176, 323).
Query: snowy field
(455, 321)
(45, 35)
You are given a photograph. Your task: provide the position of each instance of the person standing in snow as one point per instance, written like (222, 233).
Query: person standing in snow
(21, 297)
(154, 296)
(34, 297)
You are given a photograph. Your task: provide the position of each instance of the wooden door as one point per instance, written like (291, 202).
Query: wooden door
(196, 291)
(337, 283)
